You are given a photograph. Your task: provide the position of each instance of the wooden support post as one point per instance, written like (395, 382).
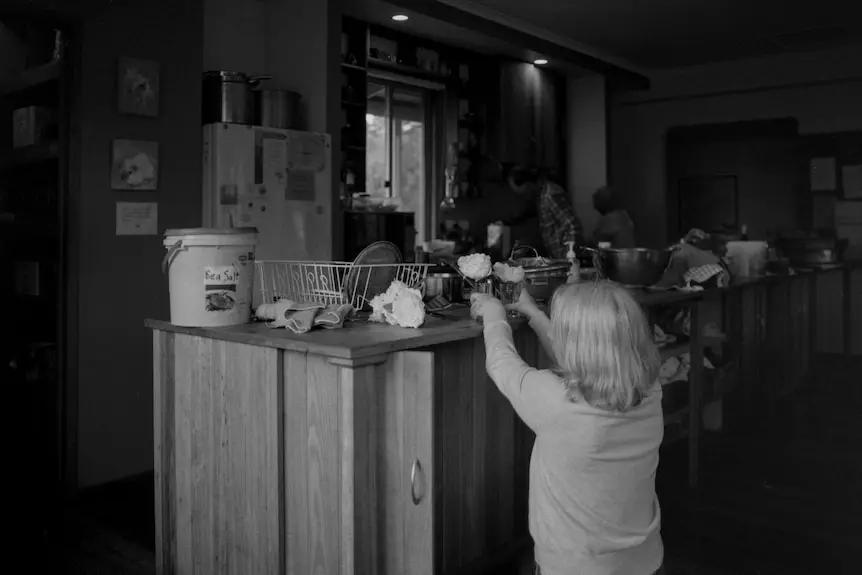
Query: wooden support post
(695, 385)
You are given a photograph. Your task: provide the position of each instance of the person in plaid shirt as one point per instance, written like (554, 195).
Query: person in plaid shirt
(558, 221)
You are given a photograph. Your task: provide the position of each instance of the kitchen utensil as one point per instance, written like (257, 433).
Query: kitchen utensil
(542, 276)
(278, 108)
(441, 281)
(228, 97)
(372, 271)
(812, 251)
(633, 267)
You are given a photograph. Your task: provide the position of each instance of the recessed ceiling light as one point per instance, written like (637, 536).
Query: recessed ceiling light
(540, 61)
(401, 17)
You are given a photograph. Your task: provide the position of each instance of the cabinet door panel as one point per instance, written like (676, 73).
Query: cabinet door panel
(404, 470)
(417, 370)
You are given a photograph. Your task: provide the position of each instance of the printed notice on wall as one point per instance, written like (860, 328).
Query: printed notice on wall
(306, 151)
(274, 164)
(137, 218)
(822, 174)
(851, 181)
(300, 186)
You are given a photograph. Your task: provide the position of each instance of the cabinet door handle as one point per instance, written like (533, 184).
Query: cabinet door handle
(417, 469)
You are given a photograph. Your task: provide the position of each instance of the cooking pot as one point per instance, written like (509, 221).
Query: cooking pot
(228, 97)
(448, 283)
(278, 108)
(542, 276)
(633, 267)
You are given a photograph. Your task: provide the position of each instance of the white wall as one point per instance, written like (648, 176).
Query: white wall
(586, 149)
(822, 90)
(233, 35)
(298, 43)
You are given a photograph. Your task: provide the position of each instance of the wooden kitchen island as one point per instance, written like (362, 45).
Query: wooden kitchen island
(370, 449)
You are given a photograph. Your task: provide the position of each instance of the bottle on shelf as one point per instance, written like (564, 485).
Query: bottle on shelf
(574, 264)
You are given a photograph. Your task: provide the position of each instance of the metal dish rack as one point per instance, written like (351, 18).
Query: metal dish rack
(333, 282)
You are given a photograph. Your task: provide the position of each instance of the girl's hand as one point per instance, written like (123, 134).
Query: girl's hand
(525, 305)
(486, 307)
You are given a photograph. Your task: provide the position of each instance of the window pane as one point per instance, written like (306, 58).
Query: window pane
(408, 110)
(376, 143)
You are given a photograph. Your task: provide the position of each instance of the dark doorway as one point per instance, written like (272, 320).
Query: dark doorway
(736, 174)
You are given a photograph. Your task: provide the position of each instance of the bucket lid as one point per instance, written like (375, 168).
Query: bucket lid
(210, 231)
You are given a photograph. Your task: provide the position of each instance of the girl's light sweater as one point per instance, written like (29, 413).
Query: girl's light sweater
(593, 507)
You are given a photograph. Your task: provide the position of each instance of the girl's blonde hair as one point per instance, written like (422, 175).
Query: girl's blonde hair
(603, 345)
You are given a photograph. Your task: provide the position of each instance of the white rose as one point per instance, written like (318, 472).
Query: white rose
(509, 274)
(399, 305)
(408, 309)
(475, 266)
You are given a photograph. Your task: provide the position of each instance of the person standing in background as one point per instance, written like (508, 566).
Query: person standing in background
(615, 226)
(558, 222)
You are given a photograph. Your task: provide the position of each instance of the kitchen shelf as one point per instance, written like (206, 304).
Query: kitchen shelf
(31, 78)
(353, 67)
(353, 104)
(29, 155)
(412, 71)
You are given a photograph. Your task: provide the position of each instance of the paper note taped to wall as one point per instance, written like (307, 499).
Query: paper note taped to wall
(306, 151)
(137, 218)
(300, 186)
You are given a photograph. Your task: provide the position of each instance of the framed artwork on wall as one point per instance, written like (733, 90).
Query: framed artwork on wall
(138, 87)
(135, 165)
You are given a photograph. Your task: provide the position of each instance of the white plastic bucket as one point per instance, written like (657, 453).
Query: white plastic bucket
(211, 274)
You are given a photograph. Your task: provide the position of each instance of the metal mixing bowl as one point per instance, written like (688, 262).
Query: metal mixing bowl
(633, 267)
(542, 276)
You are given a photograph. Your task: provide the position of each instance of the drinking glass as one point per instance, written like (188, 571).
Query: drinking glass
(509, 293)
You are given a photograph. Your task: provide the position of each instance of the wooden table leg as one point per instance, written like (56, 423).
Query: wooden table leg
(695, 386)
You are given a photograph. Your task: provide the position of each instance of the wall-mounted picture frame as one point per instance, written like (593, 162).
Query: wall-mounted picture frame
(134, 165)
(138, 87)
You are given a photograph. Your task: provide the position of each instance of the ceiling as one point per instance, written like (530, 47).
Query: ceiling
(380, 12)
(656, 34)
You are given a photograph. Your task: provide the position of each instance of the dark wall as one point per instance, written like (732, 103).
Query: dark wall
(120, 282)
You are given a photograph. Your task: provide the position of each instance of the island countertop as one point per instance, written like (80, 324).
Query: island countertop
(361, 339)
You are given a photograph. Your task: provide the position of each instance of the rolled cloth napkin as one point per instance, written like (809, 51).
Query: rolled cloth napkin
(300, 317)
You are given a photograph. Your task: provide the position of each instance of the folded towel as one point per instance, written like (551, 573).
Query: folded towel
(333, 316)
(301, 317)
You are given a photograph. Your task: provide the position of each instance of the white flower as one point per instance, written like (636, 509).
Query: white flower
(475, 266)
(399, 305)
(509, 274)
(408, 309)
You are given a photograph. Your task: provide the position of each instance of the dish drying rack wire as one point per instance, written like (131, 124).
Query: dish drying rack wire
(333, 282)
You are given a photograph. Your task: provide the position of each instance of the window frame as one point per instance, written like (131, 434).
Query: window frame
(433, 93)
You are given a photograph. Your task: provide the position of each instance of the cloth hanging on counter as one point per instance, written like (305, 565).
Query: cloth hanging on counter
(301, 317)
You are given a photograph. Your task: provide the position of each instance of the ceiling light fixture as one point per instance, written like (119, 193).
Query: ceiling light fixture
(540, 61)
(401, 17)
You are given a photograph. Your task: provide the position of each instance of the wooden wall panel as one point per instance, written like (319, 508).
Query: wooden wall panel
(227, 461)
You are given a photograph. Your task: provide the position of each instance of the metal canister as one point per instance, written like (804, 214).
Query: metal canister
(278, 109)
(446, 283)
(228, 97)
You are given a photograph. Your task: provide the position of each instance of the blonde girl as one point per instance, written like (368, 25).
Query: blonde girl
(598, 423)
